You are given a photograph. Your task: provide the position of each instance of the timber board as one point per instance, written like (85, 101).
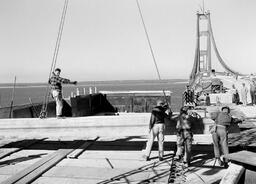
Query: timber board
(243, 157)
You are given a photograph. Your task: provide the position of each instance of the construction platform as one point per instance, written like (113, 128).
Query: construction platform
(102, 149)
(98, 161)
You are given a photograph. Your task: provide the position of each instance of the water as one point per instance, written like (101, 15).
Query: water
(37, 91)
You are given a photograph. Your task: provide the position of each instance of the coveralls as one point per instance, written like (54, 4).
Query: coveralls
(184, 138)
(244, 92)
(220, 136)
(252, 93)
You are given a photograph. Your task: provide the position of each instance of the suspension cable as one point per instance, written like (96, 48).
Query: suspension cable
(43, 113)
(150, 46)
(149, 42)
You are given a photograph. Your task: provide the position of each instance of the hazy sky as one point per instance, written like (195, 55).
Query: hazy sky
(105, 40)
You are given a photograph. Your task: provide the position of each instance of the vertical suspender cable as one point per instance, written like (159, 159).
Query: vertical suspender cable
(43, 113)
(150, 46)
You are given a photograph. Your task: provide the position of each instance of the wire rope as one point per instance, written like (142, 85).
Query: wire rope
(150, 46)
(43, 113)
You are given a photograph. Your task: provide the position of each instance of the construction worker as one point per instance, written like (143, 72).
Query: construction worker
(184, 136)
(56, 89)
(252, 92)
(157, 128)
(220, 134)
(188, 97)
(244, 92)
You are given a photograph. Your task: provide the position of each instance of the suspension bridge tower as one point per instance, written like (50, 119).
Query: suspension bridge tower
(203, 56)
(202, 60)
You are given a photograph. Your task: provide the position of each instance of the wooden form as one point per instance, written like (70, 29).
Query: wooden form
(233, 174)
(34, 171)
(75, 154)
(241, 161)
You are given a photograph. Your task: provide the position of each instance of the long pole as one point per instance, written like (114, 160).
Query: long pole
(13, 91)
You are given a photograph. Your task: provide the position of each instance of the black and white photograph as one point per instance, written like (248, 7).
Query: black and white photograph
(127, 91)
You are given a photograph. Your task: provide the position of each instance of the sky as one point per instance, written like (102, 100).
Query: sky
(105, 39)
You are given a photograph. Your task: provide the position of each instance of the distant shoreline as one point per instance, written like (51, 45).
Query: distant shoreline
(95, 83)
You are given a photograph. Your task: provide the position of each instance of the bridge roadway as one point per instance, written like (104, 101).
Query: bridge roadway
(107, 160)
(43, 146)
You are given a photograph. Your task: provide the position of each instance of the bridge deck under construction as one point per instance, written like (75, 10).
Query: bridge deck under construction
(69, 151)
(99, 160)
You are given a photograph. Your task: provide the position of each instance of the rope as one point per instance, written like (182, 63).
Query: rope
(43, 113)
(150, 46)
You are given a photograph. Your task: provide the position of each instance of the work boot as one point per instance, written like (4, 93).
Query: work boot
(225, 164)
(60, 117)
(218, 162)
(145, 157)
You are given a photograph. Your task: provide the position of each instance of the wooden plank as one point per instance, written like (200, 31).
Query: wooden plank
(3, 155)
(61, 154)
(34, 171)
(243, 157)
(75, 154)
(233, 174)
(28, 170)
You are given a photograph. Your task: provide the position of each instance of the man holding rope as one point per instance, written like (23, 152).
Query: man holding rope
(56, 89)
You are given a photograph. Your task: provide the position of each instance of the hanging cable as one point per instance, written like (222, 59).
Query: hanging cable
(43, 113)
(149, 42)
(150, 46)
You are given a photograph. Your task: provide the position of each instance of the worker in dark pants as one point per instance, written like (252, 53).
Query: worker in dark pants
(157, 128)
(184, 137)
(56, 89)
(220, 135)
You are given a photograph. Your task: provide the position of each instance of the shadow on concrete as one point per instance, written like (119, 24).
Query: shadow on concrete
(125, 143)
(158, 173)
(20, 159)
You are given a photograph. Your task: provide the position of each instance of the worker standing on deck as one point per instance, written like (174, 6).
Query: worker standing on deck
(244, 92)
(157, 128)
(253, 91)
(184, 136)
(188, 97)
(220, 135)
(56, 89)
